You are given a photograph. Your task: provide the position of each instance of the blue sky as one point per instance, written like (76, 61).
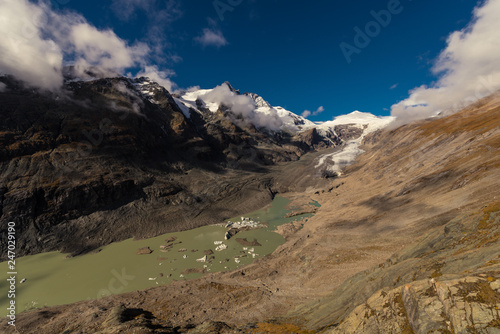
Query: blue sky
(288, 51)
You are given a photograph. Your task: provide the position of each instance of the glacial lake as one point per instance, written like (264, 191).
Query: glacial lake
(53, 279)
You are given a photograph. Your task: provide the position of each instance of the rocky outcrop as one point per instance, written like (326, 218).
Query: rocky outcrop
(447, 305)
(312, 139)
(460, 305)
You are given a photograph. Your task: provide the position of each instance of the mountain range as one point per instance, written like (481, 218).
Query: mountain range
(406, 239)
(109, 159)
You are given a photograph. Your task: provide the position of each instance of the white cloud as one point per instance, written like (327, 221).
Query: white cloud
(36, 41)
(468, 69)
(239, 104)
(135, 100)
(159, 76)
(319, 111)
(24, 52)
(244, 108)
(308, 113)
(211, 37)
(394, 86)
(104, 49)
(193, 89)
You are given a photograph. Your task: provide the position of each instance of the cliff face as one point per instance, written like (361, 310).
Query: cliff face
(407, 240)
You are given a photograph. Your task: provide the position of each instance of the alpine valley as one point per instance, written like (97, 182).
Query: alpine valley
(404, 239)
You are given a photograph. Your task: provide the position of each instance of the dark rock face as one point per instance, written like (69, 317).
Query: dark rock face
(114, 158)
(67, 157)
(346, 132)
(311, 138)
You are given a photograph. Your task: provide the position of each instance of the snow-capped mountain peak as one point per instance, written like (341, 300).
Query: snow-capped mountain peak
(249, 106)
(259, 101)
(255, 108)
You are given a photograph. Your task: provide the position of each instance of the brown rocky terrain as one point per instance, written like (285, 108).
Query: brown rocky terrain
(406, 241)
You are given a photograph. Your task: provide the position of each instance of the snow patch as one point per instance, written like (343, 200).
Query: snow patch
(185, 109)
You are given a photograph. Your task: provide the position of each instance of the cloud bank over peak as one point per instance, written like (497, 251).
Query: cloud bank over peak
(468, 69)
(161, 77)
(38, 42)
(243, 107)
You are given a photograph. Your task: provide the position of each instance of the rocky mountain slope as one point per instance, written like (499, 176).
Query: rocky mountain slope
(109, 159)
(406, 241)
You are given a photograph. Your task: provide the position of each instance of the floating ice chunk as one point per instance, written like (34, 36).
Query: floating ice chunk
(221, 247)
